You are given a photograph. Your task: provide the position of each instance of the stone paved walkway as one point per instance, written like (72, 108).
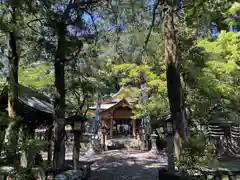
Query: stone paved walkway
(123, 165)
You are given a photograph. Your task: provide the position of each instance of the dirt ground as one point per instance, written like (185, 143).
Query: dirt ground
(124, 165)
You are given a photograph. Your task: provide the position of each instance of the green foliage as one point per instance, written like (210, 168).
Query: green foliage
(198, 152)
(98, 61)
(198, 14)
(232, 19)
(210, 69)
(234, 9)
(4, 122)
(31, 145)
(219, 79)
(37, 76)
(157, 104)
(22, 173)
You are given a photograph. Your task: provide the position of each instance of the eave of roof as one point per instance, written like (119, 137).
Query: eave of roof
(123, 100)
(103, 106)
(108, 106)
(34, 99)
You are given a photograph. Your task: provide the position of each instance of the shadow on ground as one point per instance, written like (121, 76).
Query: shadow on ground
(121, 165)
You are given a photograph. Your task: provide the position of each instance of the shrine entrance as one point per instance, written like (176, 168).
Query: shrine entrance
(117, 118)
(122, 127)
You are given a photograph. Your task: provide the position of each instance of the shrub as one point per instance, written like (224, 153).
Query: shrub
(197, 153)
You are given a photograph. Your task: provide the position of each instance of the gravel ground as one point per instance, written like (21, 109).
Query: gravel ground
(124, 165)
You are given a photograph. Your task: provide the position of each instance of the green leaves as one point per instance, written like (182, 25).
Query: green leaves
(38, 76)
(219, 79)
(157, 104)
(231, 14)
(2, 6)
(234, 9)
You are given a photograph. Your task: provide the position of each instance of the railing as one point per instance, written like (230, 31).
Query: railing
(226, 140)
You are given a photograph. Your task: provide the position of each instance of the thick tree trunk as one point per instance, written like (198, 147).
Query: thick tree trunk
(2, 135)
(173, 77)
(10, 136)
(76, 149)
(59, 104)
(13, 71)
(59, 120)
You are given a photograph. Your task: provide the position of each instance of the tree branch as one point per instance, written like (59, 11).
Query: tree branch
(152, 24)
(35, 20)
(91, 16)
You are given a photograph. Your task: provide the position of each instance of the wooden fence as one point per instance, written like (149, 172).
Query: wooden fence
(226, 139)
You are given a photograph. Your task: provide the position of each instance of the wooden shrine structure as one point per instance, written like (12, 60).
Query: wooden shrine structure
(35, 108)
(225, 136)
(116, 115)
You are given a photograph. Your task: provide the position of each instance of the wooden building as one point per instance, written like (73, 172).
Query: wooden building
(35, 108)
(116, 115)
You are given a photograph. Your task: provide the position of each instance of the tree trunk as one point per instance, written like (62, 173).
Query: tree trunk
(13, 70)
(24, 154)
(76, 149)
(59, 104)
(10, 136)
(49, 139)
(2, 135)
(59, 121)
(173, 77)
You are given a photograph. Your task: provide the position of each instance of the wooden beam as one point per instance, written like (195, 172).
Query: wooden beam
(111, 126)
(100, 126)
(134, 128)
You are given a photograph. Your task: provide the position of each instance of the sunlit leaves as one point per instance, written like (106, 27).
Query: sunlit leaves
(157, 104)
(225, 51)
(234, 9)
(233, 15)
(220, 76)
(38, 76)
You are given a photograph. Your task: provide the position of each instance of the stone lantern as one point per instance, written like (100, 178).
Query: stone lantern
(169, 132)
(154, 148)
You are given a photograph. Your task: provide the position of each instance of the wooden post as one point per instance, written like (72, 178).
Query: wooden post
(76, 149)
(134, 127)
(49, 134)
(100, 127)
(111, 126)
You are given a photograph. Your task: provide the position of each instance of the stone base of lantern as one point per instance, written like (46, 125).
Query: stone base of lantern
(90, 151)
(154, 148)
(154, 151)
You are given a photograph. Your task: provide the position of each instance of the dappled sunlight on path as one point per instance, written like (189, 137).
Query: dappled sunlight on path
(121, 165)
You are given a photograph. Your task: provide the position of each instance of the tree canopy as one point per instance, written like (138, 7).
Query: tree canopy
(186, 54)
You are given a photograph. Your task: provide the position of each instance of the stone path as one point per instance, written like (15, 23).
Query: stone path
(124, 165)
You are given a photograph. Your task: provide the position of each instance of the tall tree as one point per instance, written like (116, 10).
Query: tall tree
(62, 39)
(59, 103)
(9, 27)
(12, 25)
(173, 74)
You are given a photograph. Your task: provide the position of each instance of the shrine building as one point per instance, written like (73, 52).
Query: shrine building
(116, 115)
